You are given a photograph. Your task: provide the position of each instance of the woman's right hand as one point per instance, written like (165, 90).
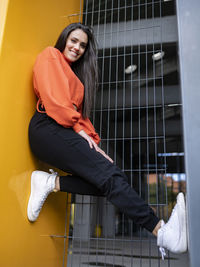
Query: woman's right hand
(92, 144)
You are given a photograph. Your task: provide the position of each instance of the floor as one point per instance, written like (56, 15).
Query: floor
(121, 253)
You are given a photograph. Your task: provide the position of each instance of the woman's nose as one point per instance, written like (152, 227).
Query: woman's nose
(77, 46)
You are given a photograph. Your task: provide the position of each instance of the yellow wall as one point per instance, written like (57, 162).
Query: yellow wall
(29, 27)
(3, 13)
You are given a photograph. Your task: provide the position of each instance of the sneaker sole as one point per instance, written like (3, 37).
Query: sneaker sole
(182, 221)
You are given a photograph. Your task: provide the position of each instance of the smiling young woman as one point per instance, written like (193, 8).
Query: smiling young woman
(75, 45)
(61, 134)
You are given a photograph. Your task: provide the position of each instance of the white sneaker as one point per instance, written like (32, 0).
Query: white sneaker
(42, 183)
(172, 235)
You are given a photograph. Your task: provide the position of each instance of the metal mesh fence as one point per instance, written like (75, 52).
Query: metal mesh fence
(137, 114)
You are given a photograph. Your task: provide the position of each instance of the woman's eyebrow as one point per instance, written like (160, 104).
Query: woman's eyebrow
(78, 40)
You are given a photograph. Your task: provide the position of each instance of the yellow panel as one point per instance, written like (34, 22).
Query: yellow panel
(29, 27)
(3, 12)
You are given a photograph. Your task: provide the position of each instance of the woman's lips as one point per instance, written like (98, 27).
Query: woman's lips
(75, 54)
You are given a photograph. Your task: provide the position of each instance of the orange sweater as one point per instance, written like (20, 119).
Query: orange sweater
(58, 89)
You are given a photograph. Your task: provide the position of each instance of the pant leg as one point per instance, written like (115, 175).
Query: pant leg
(68, 151)
(76, 185)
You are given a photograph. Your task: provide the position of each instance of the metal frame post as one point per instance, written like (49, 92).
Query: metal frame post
(189, 56)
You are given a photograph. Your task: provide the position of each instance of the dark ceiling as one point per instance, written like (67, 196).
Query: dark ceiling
(110, 11)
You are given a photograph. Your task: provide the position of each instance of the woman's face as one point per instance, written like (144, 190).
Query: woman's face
(75, 45)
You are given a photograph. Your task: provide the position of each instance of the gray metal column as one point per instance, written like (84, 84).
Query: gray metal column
(189, 49)
(82, 218)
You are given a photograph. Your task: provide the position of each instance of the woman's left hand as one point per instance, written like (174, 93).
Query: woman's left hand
(104, 154)
(92, 144)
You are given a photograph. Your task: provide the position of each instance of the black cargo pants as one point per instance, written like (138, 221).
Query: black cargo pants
(92, 173)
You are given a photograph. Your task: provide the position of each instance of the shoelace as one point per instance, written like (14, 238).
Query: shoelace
(52, 172)
(162, 252)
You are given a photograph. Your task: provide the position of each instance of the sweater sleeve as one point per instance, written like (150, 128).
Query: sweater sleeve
(86, 125)
(51, 84)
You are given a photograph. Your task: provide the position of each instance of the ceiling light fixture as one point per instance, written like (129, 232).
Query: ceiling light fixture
(130, 69)
(158, 56)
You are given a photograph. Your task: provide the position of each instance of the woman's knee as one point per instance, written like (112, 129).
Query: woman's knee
(113, 186)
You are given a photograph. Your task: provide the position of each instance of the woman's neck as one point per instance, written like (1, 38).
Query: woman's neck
(70, 63)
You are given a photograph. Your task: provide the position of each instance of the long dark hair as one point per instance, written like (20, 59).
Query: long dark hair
(86, 67)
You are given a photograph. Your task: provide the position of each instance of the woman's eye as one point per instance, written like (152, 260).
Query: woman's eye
(73, 41)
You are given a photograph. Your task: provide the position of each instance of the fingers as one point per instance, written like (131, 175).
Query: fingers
(88, 139)
(98, 149)
(104, 154)
(92, 144)
(111, 160)
(107, 157)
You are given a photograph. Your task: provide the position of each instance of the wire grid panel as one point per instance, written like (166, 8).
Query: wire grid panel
(134, 115)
